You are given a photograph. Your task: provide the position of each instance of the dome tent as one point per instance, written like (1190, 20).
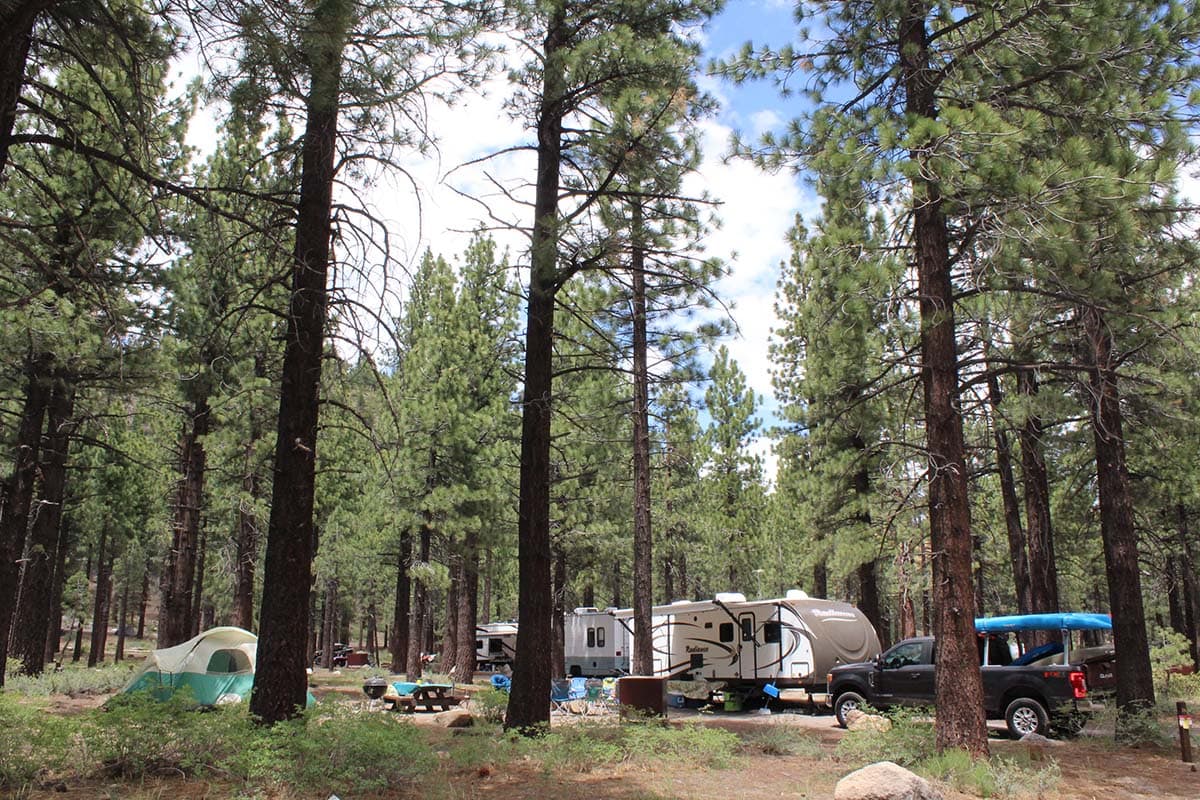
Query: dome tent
(217, 667)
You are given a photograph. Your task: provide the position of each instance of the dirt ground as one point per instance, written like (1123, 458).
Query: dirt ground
(1091, 769)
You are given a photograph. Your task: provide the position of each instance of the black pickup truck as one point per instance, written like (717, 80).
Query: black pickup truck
(1030, 699)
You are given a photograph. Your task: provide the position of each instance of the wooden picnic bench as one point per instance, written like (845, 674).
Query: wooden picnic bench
(423, 697)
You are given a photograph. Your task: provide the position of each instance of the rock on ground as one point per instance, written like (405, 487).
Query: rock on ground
(884, 781)
(862, 721)
(454, 718)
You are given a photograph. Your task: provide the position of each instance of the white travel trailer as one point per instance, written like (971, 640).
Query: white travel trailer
(495, 645)
(789, 642)
(596, 645)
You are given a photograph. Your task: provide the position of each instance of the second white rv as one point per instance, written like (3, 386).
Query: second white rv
(790, 642)
(596, 644)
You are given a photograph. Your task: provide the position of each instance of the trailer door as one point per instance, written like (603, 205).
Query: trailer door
(748, 647)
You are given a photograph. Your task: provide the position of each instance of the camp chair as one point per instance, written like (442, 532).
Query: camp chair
(560, 695)
(501, 682)
(597, 698)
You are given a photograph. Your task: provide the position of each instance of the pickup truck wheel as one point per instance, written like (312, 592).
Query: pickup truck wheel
(845, 703)
(1025, 716)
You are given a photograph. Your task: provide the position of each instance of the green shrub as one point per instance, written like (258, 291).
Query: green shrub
(584, 747)
(490, 704)
(910, 740)
(33, 744)
(341, 750)
(1015, 779)
(135, 735)
(961, 771)
(783, 740)
(73, 679)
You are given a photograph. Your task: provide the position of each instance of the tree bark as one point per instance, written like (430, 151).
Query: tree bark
(17, 20)
(1190, 596)
(1043, 567)
(400, 610)
(122, 619)
(468, 609)
(54, 627)
(176, 613)
(558, 634)
(959, 687)
(19, 496)
(280, 681)
(529, 700)
(450, 635)
(247, 543)
(420, 608)
(143, 601)
(100, 609)
(643, 589)
(1135, 682)
(1012, 509)
(37, 582)
(868, 581)
(329, 624)
(197, 622)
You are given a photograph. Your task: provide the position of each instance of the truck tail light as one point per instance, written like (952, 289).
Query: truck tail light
(1079, 685)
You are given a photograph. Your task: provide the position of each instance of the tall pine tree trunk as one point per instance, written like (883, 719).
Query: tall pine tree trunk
(247, 545)
(420, 608)
(1135, 682)
(54, 626)
(280, 681)
(529, 700)
(558, 632)
(400, 609)
(122, 621)
(100, 609)
(1043, 568)
(959, 687)
(1012, 509)
(143, 601)
(18, 495)
(176, 613)
(37, 583)
(329, 624)
(643, 590)
(449, 657)
(198, 613)
(1190, 596)
(468, 610)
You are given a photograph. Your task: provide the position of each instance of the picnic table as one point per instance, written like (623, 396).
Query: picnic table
(411, 697)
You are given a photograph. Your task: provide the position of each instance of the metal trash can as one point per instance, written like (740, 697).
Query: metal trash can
(638, 694)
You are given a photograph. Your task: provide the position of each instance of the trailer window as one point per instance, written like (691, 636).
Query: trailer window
(725, 632)
(772, 632)
(599, 637)
(591, 637)
(747, 629)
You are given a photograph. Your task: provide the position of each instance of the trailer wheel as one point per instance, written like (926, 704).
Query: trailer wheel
(845, 703)
(1025, 716)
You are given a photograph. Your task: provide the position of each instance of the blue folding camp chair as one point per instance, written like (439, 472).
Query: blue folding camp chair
(560, 695)
(501, 682)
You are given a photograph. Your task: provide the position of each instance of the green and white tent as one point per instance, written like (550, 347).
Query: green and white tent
(217, 666)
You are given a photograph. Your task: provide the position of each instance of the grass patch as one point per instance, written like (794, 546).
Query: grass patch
(782, 740)
(909, 741)
(73, 679)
